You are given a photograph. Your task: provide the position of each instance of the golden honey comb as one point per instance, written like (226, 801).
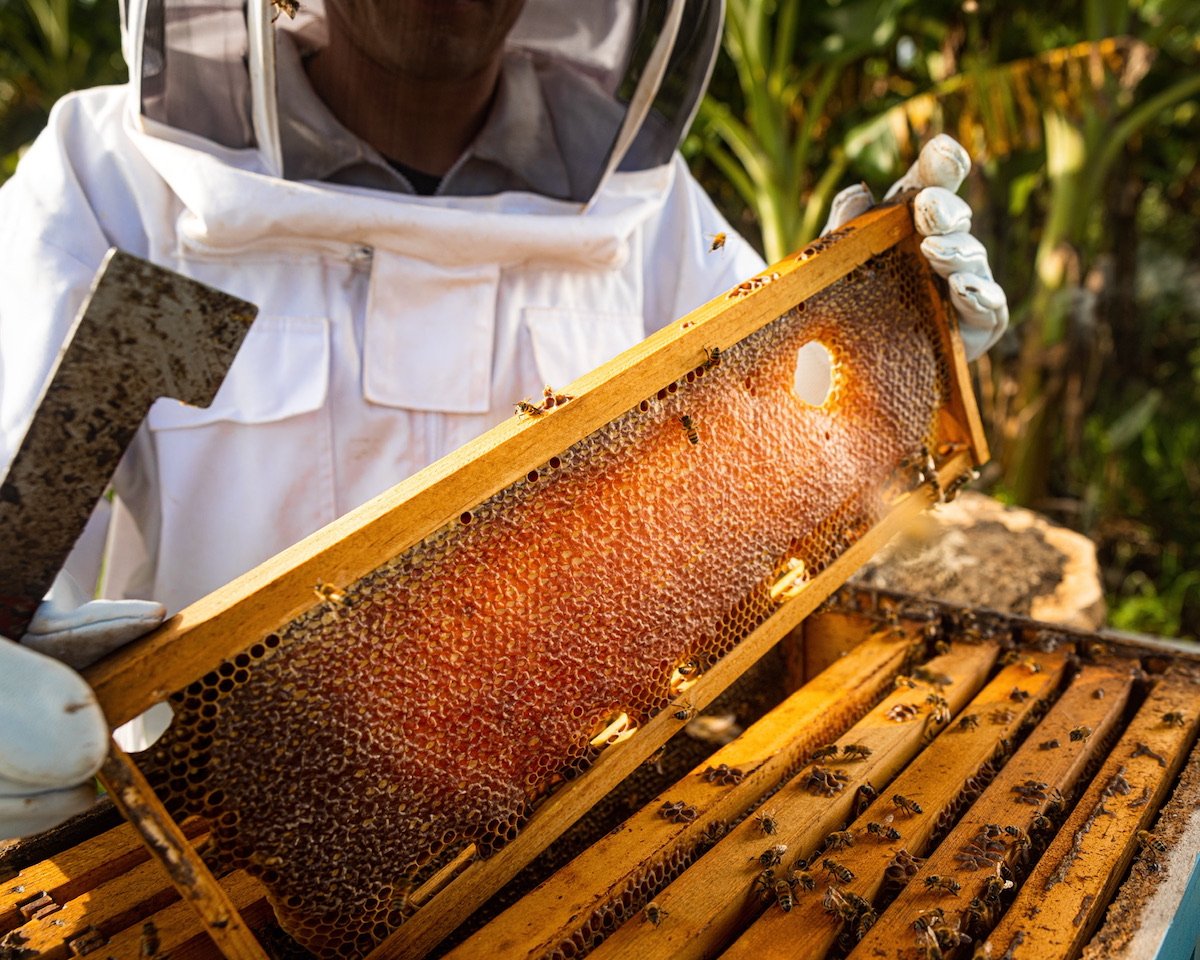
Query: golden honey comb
(347, 757)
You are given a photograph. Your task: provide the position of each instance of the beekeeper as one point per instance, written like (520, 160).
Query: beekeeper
(439, 208)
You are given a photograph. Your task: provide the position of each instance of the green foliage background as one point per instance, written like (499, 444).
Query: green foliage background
(1083, 121)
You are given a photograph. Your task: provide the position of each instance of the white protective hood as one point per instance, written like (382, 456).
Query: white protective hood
(206, 68)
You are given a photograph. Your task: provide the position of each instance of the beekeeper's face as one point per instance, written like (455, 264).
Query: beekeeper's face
(427, 39)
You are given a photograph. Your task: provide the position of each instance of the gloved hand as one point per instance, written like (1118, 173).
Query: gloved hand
(945, 221)
(53, 735)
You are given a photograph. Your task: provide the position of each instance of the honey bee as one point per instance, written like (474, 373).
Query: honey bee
(712, 357)
(932, 677)
(523, 408)
(655, 914)
(149, 942)
(1052, 744)
(783, 894)
(689, 426)
(1017, 695)
(718, 241)
(1080, 733)
(883, 831)
(856, 751)
(804, 880)
(910, 807)
(767, 821)
(839, 840)
(290, 7)
(1148, 841)
(905, 681)
(838, 871)
(328, 593)
(685, 711)
(1174, 718)
(949, 884)
(550, 399)
(1041, 824)
(968, 722)
(772, 856)
(826, 752)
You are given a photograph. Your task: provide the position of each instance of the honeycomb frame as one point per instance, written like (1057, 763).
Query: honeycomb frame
(451, 501)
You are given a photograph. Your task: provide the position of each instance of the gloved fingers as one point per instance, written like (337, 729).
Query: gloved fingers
(847, 205)
(23, 814)
(937, 211)
(82, 635)
(942, 163)
(957, 253)
(52, 730)
(982, 311)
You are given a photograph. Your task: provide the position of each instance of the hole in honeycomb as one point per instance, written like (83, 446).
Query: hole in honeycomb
(615, 727)
(814, 374)
(459, 685)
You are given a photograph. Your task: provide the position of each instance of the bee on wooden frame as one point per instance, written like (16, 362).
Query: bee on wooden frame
(910, 807)
(712, 357)
(523, 408)
(839, 840)
(856, 751)
(772, 856)
(1174, 718)
(1080, 733)
(766, 820)
(883, 831)
(839, 871)
(328, 593)
(655, 914)
(938, 882)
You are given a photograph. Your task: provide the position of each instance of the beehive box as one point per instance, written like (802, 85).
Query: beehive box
(386, 722)
(1048, 808)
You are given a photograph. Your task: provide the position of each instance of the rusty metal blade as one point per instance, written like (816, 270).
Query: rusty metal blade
(144, 332)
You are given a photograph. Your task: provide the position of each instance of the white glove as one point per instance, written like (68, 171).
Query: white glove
(945, 221)
(53, 735)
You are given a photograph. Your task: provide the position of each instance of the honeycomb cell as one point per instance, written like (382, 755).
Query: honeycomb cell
(370, 743)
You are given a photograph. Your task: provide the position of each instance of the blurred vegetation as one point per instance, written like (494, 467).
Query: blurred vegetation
(1084, 124)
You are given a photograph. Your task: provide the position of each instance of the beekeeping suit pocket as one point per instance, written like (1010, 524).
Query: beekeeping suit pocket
(427, 344)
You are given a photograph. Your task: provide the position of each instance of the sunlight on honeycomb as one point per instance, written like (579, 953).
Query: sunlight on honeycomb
(346, 759)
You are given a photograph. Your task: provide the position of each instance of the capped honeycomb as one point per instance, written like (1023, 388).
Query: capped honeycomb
(347, 758)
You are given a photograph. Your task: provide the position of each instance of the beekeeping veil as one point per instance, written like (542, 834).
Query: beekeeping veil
(207, 68)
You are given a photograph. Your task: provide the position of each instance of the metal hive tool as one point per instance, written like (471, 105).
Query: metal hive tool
(384, 712)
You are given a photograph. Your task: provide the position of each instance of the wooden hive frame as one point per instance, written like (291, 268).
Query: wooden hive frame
(254, 605)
